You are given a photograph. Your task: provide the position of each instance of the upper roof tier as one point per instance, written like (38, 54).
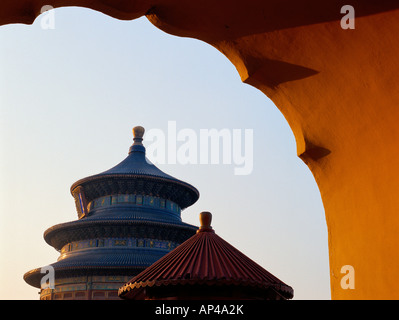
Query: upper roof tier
(135, 175)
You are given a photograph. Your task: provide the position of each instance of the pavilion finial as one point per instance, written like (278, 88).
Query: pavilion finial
(138, 133)
(205, 220)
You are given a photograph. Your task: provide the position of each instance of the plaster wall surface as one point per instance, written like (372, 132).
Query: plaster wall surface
(338, 90)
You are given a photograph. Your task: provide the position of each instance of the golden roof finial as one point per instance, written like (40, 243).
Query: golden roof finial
(138, 133)
(205, 220)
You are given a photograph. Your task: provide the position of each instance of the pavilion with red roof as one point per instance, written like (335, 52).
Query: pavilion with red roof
(205, 267)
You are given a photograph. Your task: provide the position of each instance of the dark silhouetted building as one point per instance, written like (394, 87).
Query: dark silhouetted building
(129, 217)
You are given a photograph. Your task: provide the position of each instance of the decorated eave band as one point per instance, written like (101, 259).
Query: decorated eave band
(131, 189)
(59, 235)
(132, 200)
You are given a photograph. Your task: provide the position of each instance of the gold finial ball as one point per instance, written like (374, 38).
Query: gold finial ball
(205, 220)
(138, 132)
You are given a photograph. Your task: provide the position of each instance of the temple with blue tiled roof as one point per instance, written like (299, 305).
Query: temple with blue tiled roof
(129, 217)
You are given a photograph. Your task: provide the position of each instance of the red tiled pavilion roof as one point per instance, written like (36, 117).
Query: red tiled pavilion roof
(205, 258)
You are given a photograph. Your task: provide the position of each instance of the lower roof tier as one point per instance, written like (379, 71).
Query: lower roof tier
(119, 262)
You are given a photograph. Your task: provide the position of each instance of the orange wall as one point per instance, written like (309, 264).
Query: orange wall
(338, 90)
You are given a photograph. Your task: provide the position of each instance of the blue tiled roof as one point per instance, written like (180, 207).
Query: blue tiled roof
(136, 177)
(135, 214)
(136, 163)
(106, 258)
(137, 172)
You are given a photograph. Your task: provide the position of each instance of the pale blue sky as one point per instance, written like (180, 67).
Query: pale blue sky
(69, 99)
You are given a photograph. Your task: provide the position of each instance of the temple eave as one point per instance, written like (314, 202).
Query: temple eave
(35, 276)
(61, 234)
(99, 185)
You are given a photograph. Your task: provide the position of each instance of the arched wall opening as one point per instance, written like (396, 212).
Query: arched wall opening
(331, 85)
(92, 78)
